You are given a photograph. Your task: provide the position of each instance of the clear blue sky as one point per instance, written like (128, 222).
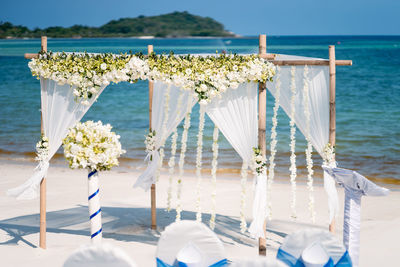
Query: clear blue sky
(245, 17)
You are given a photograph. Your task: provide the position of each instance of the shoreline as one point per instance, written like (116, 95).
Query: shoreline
(138, 165)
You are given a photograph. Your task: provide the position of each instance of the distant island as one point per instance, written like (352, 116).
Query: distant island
(176, 24)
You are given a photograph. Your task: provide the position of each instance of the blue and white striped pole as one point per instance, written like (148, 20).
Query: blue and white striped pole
(94, 207)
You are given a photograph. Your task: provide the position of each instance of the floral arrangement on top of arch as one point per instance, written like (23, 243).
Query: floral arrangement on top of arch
(208, 76)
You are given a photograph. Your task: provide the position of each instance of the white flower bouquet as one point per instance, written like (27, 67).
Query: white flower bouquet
(92, 145)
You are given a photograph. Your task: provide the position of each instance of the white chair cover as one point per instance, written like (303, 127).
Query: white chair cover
(60, 111)
(180, 235)
(177, 111)
(103, 255)
(355, 186)
(294, 245)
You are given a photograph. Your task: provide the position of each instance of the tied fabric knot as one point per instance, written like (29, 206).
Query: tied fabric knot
(30, 189)
(147, 178)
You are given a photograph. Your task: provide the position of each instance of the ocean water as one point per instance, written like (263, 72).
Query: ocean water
(368, 100)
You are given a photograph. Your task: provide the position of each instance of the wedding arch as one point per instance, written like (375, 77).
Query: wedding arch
(234, 98)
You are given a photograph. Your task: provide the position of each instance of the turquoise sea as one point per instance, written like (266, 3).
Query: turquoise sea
(368, 100)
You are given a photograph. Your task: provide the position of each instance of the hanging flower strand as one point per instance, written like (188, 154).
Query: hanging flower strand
(171, 162)
(198, 161)
(308, 151)
(293, 168)
(214, 164)
(164, 131)
(186, 127)
(271, 169)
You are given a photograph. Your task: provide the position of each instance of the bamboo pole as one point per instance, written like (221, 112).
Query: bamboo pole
(332, 108)
(42, 235)
(262, 106)
(153, 186)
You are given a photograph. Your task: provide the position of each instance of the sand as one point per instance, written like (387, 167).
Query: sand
(126, 216)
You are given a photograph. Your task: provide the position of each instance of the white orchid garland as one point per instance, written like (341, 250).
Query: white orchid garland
(92, 145)
(42, 148)
(271, 168)
(207, 76)
(243, 183)
(186, 127)
(199, 162)
(306, 103)
(293, 169)
(171, 164)
(214, 165)
(164, 131)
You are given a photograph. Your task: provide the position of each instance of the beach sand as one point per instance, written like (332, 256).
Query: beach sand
(126, 216)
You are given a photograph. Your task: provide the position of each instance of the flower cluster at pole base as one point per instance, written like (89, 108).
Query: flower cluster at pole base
(150, 141)
(42, 148)
(92, 145)
(329, 154)
(260, 162)
(207, 76)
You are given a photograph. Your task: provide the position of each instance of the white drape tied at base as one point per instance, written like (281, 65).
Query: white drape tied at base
(355, 186)
(60, 111)
(235, 115)
(319, 111)
(179, 102)
(260, 209)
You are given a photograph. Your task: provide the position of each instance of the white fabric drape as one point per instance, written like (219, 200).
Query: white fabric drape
(260, 209)
(355, 186)
(179, 102)
(60, 111)
(319, 109)
(235, 114)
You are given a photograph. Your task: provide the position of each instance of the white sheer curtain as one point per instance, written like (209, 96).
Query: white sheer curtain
(319, 109)
(235, 114)
(179, 102)
(60, 111)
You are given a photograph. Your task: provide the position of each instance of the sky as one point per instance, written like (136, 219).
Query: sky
(244, 17)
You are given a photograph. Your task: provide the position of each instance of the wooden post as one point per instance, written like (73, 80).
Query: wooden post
(262, 106)
(42, 235)
(332, 108)
(153, 186)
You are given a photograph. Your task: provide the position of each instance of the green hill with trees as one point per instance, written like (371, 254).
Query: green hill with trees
(176, 24)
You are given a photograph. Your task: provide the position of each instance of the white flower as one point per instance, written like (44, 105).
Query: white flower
(188, 71)
(203, 102)
(103, 66)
